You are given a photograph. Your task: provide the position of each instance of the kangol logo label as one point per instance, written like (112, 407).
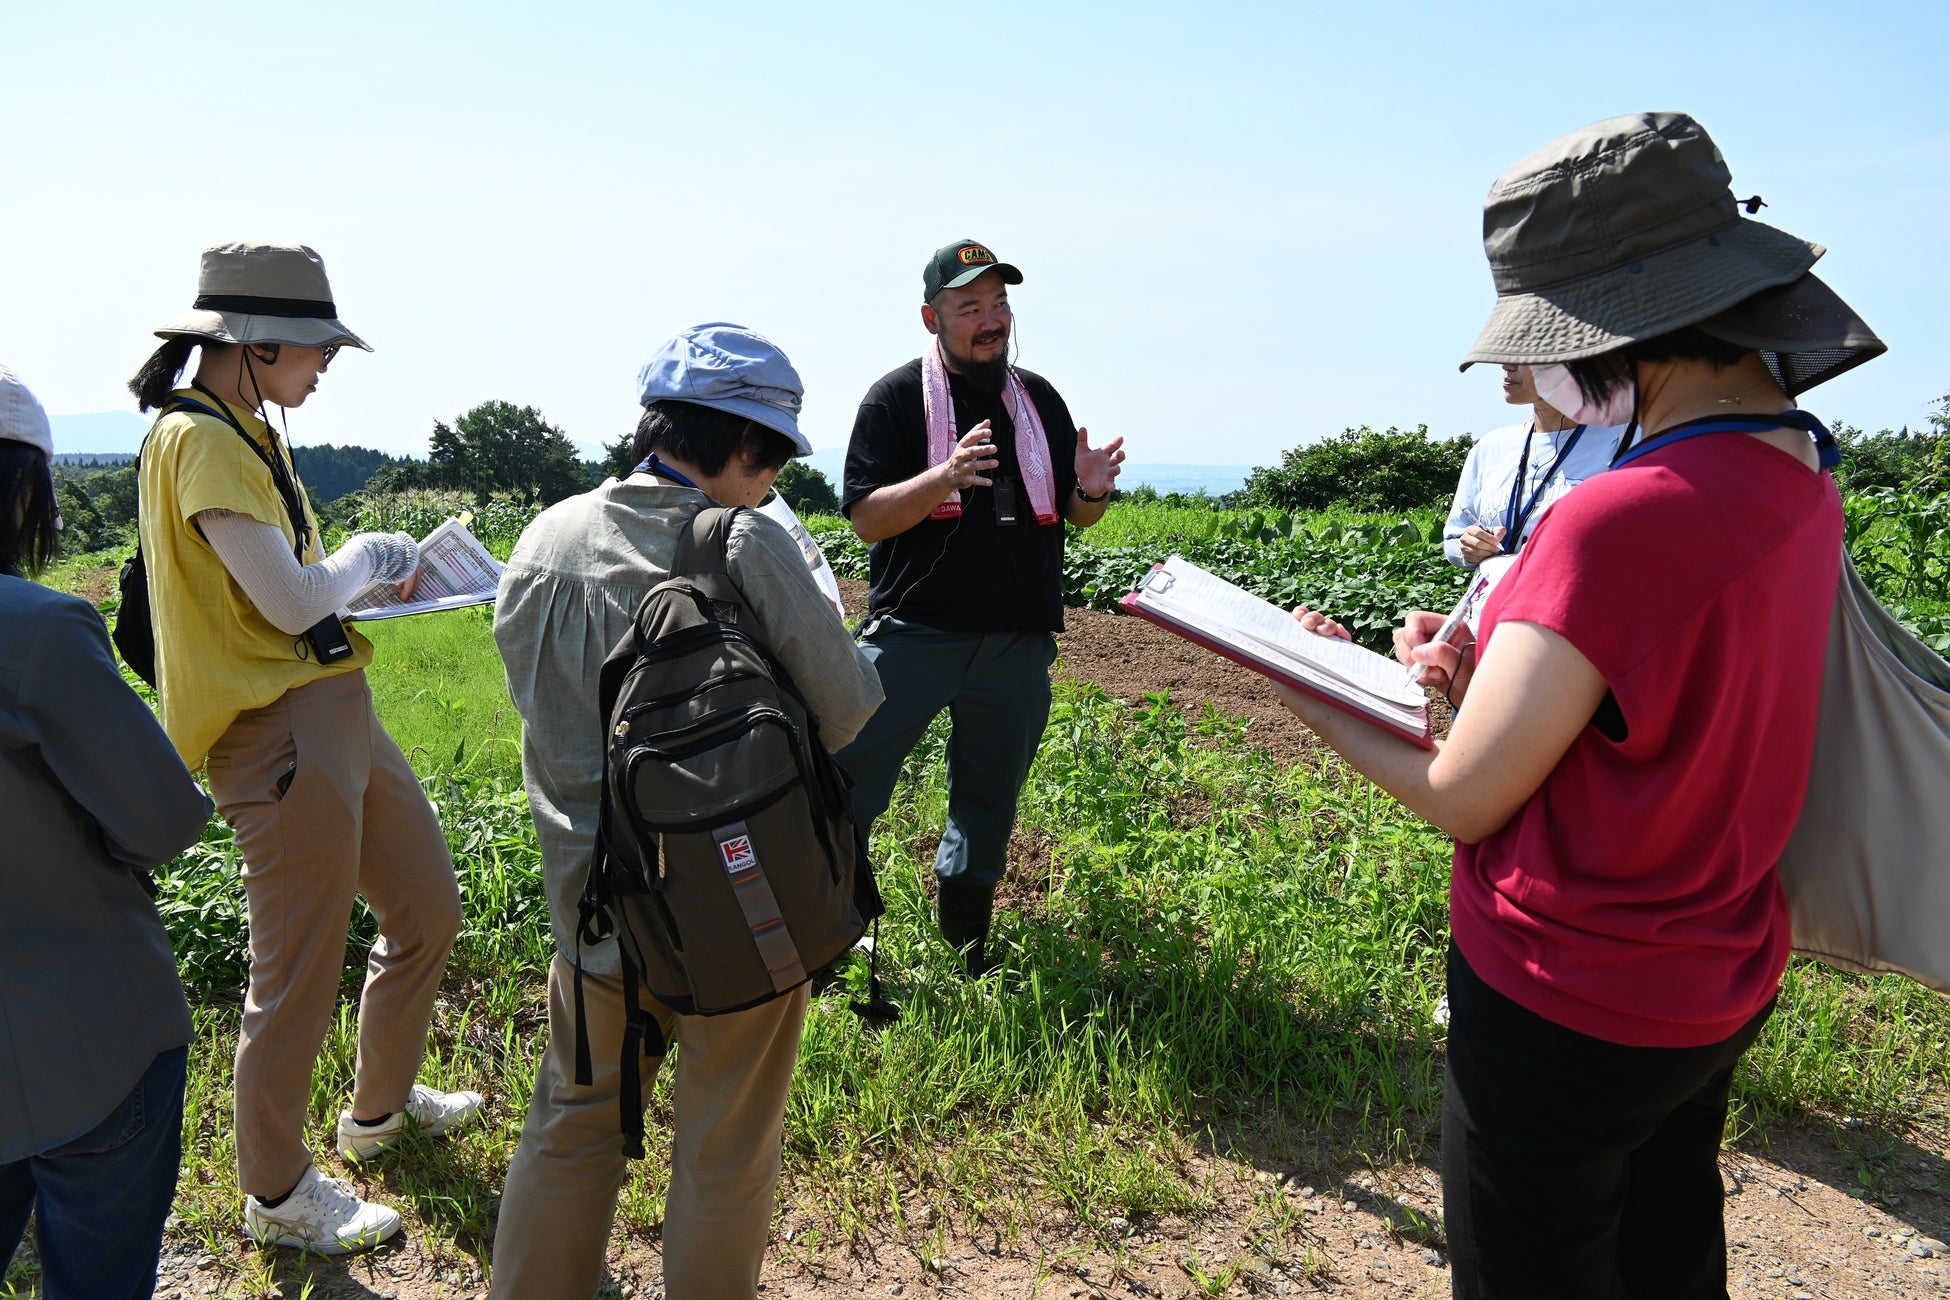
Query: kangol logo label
(976, 255)
(737, 853)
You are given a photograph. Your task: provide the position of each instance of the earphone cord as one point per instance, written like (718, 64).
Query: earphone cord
(875, 615)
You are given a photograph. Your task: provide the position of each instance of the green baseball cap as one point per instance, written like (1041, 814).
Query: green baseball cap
(959, 263)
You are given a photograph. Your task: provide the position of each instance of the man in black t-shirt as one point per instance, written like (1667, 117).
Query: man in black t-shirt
(960, 475)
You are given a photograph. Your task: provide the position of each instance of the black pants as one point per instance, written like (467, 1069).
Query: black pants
(1577, 1169)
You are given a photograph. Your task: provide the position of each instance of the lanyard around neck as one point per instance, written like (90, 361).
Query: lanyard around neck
(651, 465)
(1518, 512)
(1827, 449)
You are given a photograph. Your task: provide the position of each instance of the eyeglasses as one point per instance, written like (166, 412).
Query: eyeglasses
(331, 350)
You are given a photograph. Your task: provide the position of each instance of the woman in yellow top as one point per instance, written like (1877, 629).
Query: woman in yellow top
(256, 674)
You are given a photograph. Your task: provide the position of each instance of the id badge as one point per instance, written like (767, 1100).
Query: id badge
(1005, 503)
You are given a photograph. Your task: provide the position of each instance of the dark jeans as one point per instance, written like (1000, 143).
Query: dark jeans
(995, 686)
(100, 1200)
(1577, 1169)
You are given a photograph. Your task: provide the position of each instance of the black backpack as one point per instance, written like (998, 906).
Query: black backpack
(727, 866)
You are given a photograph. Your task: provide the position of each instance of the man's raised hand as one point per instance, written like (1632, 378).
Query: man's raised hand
(1098, 467)
(972, 458)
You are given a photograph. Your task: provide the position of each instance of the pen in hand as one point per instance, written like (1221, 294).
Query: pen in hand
(1450, 624)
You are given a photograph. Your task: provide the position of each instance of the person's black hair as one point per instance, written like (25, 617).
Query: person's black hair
(157, 379)
(706, 438)
(28, 538)
(1600, 376)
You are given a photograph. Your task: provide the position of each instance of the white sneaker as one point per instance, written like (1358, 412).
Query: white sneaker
(427, 1111)
(321, 1214)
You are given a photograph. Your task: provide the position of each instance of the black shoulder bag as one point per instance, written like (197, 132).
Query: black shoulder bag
(135, 634)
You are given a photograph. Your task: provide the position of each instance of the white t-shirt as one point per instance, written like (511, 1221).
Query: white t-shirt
(1483, 495)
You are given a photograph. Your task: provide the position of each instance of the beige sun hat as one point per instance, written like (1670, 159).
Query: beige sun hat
(254, 292)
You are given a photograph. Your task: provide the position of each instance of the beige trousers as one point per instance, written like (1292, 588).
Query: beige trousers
(733, 1072)
(325, 807)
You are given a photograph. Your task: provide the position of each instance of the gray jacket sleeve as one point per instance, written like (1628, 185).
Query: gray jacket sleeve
(804, 631)
(104, 746)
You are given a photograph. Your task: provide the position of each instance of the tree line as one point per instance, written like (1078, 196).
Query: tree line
(500, 449)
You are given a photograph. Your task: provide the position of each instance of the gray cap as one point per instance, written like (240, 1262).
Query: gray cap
(22, 418)
(728, 368)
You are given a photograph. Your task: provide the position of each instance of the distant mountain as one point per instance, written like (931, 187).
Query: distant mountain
(100, 433)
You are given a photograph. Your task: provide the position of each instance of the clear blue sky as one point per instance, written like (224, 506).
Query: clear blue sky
(1242, 226)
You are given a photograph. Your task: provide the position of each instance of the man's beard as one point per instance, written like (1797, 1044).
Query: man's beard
(989, 375)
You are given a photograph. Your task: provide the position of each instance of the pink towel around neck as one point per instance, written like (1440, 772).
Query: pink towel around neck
(1032, 444)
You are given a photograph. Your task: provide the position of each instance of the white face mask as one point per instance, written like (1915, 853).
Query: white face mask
(1556, 386)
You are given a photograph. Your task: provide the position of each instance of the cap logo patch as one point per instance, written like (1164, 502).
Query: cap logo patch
(976, 255)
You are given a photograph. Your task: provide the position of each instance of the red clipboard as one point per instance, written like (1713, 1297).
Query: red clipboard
(1271, 669)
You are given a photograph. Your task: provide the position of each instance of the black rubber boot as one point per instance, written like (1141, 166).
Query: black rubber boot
(964, 911)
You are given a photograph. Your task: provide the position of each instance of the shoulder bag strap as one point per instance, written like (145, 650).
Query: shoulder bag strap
(287, 489)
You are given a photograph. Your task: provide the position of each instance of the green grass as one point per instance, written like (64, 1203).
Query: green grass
(439, 685)
(1217, 954)
(1214, 953)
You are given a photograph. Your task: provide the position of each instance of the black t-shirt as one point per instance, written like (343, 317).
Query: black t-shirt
(967, 574)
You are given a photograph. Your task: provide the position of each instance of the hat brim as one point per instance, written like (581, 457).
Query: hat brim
(1803, 331)
(244, 327)
(1010, 275)
(764, 413)
(1643, 299)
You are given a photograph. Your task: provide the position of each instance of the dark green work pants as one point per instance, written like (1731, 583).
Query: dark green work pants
(995, 686)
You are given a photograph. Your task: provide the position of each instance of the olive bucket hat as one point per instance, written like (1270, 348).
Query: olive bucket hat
(263, 293)
(1628, 229)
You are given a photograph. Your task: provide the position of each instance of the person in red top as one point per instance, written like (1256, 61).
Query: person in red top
(1637, 721)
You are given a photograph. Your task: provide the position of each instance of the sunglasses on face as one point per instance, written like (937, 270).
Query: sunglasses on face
(331, 350)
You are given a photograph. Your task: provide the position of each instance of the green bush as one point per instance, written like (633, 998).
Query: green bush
(1395, 470)
(1367, 574)
(1892, 459)
(806, 490)
(419, 510)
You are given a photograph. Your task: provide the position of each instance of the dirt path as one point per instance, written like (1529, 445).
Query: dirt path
(1826, 1211)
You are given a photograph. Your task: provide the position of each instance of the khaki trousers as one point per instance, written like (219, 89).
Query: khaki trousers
(733, 1072)
(325, 807)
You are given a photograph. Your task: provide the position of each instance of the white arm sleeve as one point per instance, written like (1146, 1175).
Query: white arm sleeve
(292, 596)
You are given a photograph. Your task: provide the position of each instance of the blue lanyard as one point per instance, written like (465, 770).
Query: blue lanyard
(1829, 451)
(1513, 518)
(651, 465)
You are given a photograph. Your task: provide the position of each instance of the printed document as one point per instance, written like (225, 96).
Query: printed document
(822, 572)
(455, 571)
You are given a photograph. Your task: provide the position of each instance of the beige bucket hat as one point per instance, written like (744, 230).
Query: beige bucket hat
(252, 292)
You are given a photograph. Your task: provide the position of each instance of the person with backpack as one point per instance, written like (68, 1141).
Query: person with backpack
(720, 417)
(94, 1032)
(1638, 721)
(256, 674)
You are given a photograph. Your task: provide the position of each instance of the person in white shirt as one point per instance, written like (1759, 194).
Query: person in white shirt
(1514, 472)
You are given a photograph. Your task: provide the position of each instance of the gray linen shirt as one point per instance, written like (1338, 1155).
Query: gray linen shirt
(90, 788)
(569, 594)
